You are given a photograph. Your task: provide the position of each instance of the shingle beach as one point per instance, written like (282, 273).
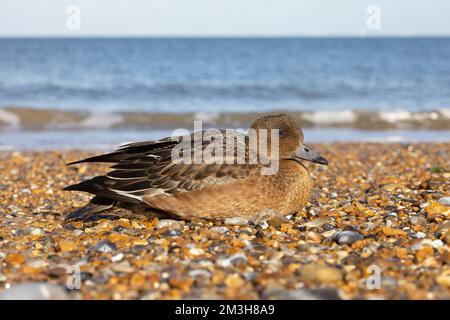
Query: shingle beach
(376, 210)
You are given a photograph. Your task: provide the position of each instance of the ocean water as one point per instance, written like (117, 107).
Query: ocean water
(138, 84)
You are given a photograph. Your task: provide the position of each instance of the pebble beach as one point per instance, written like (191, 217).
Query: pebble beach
(377, 226)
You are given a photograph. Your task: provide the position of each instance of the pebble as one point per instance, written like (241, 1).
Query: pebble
(317, 223)
(219, 229)
(276, 292)
(437, 243)
(420, 235)
(393, 232)
(118, 257)
(329, 233)
(347, 237)
(35, 291)
(445, 201)
(320, 274)
(199, 273)
(414, 220)
(226, 262)
(67, 246)
(395, 187)
(173, 233)
(122, 267)
(15, 259)
(170, 224)
(313, 211)
(37, 264)
(234, 281)
(444, 279)
(313, 237)
(36, 231)
(196, 251)
(263, 224)
(435, 209)
(237, 221)
(388, 282)
(104, 246)
(447, 239)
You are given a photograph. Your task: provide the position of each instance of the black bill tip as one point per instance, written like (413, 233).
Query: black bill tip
(321, 160)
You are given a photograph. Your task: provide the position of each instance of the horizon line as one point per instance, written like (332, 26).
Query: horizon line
(68, 36)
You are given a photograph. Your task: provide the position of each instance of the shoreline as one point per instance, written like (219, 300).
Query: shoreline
(30, 118)
(375, 205)
(92, 140)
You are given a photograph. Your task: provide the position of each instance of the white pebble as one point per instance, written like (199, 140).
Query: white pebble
(117, 257)
(420, 235)
(196, 251)
(445, 201)
(36, 231)
(238, 221)
(263, 224)
(437, 243)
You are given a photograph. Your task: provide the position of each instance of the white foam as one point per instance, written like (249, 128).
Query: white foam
(10, 118)
(101, 120)
(330, 117)
(207, 116)
(395, 116)
(445, 112)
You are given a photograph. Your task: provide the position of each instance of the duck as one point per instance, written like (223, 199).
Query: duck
(163, 177)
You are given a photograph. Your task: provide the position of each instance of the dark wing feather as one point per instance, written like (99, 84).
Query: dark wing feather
(130, 151)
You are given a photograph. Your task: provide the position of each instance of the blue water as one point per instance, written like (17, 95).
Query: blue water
(227, 75)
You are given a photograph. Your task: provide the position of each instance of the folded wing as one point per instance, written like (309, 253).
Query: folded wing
(170, 166)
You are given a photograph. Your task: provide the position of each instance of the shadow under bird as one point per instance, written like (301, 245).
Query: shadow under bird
(144, 175)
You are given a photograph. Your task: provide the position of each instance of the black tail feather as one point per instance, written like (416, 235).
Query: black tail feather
(91, 210)
(91, 185)
(100, 186)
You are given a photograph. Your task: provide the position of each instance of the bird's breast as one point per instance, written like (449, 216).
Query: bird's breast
(296, 184)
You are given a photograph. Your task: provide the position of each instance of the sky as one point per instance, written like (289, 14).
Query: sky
(224, 18)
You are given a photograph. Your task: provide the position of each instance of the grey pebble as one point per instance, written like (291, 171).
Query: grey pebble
(218, 229)
(238, 221)
(347, 237)
(279, 293)
(172, 233)
(170, 224)
(226, 262)
(199, 272)
(36, 291)
(104, 246)
(445, 201)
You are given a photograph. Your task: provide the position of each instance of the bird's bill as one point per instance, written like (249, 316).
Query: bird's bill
(305, 153)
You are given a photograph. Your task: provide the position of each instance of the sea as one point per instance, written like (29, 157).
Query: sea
(96, 93)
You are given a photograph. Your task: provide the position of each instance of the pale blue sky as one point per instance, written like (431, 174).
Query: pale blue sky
(224, 17)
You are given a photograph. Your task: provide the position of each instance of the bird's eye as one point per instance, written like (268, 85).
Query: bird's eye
(282, 132)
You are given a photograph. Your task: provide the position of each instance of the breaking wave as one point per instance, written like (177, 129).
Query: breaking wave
(22, 118)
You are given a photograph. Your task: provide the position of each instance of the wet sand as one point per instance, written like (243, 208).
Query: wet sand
(377, 209)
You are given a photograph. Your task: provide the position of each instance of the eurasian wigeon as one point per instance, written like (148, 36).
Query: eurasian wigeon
(146, 175)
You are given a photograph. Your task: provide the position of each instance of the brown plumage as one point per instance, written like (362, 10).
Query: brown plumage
(147, 174)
